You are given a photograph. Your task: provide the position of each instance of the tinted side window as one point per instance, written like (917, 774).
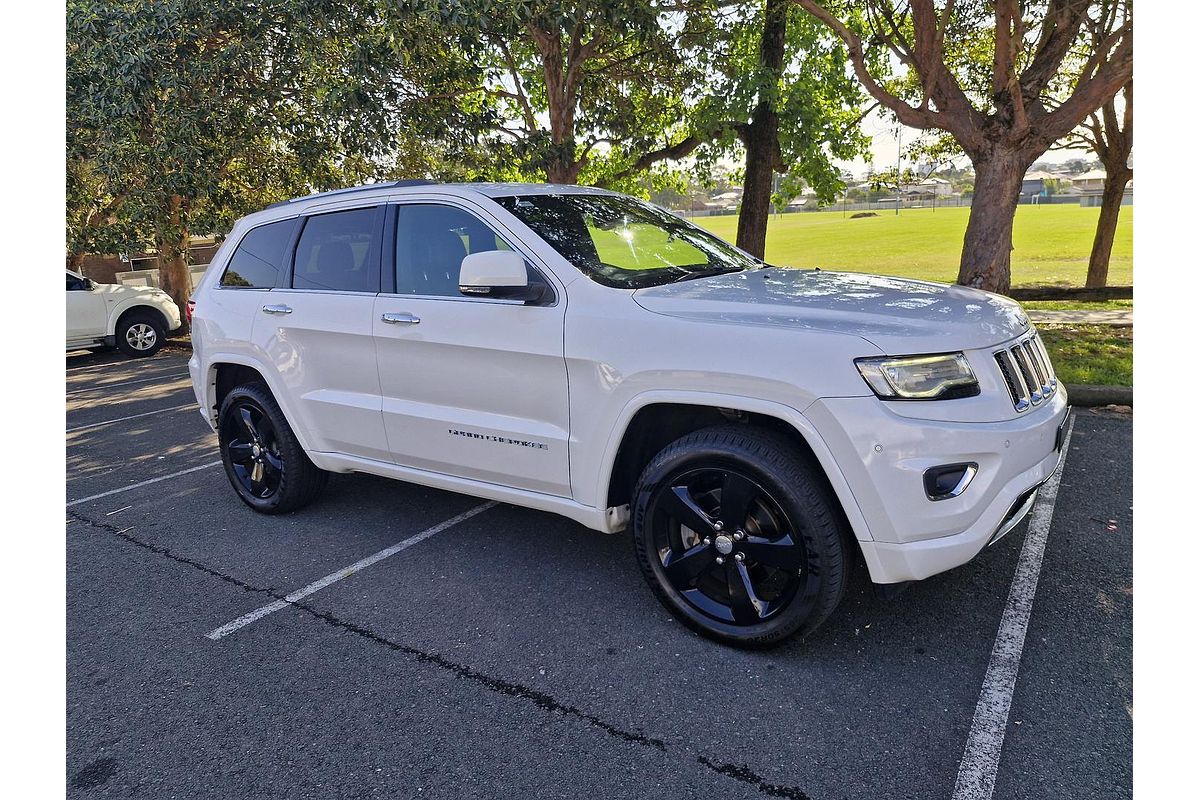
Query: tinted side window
(73, 283)
(259, 256)
(334, 252)
(431, 242)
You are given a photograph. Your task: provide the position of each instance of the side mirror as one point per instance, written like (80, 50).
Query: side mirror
(88, 285)
(500, 274)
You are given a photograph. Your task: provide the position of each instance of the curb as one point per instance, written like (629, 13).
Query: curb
(1090, 394)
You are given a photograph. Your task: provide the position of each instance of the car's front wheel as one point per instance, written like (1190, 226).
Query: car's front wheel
(738, 536)
(140, 334)
(263, 459)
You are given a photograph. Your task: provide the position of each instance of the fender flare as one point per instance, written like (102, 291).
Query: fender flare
(792, 416)
(131, 304)
(209, 372)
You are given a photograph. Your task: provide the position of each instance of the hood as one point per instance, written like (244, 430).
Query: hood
(898, 315)
(117, 288)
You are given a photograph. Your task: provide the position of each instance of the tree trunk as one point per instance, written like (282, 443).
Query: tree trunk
(561, 87)
(987, 246)
(173, 258)
(1106, 228)
(761, 137)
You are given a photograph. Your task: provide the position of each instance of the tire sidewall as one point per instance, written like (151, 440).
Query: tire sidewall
(682, 457)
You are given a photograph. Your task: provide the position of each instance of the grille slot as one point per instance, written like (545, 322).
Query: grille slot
(1027, 372)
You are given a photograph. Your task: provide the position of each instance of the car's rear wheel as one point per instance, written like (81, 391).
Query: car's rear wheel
(140, 335)
(738, 536)
(263, 458)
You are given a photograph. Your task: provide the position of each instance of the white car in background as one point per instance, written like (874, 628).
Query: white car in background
(757, 430)
(135, 319)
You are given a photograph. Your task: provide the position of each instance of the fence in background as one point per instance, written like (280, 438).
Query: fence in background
(889, 205)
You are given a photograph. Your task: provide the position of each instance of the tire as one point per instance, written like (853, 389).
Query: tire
(263, 458)
(140, 334)
(744, 491)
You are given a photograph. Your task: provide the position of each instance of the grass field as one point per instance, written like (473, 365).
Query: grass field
(1051, 243)
(1096, 354)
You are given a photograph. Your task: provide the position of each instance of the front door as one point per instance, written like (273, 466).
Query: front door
(315, 328)
(472, 387)
(87, 316)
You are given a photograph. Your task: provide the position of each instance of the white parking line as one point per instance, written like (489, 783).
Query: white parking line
(981, 756)
(100, 386)
(131, 416)
(90, 498)
(345, 572)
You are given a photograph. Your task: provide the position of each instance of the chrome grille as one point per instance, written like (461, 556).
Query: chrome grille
(1027, 372)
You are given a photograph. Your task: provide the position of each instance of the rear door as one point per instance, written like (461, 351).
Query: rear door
(316, 330)
(472, 387)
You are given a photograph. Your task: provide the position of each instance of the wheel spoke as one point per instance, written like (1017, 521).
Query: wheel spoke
(266, 430)
(736, 495)
(679, 504)
(742, 599)
(782, 553)
(685, 568)
(248, 422)
(240, 452)
(273, 465)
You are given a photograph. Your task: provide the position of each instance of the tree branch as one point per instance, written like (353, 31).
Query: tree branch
(908, 115)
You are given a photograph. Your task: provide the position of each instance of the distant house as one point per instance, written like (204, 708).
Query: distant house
(1091, 189)
(1091, 181)
(1037, 183)
(937, 186)
(725, 200)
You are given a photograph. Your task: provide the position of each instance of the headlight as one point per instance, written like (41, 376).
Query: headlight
(919, 377)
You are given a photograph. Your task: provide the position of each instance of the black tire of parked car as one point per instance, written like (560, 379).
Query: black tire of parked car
(738, 535)
(263, 459)
(140, 334)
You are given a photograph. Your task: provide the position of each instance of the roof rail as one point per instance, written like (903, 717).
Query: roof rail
(348, 190)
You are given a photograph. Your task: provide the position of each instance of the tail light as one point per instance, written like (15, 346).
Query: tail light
(191, 306)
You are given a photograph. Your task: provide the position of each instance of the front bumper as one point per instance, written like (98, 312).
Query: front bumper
(883, 457)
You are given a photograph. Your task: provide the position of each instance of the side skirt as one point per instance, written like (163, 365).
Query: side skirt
(595, 518)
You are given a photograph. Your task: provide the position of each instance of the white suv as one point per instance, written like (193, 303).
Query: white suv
(582, 352)
(135, 319)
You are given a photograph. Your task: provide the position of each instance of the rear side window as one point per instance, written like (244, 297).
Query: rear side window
(259, 256)
(337, 251)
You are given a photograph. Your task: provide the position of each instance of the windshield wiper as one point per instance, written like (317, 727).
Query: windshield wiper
(706, 273)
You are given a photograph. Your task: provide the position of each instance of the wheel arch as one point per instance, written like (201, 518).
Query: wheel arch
(225, 371)
(136, 308)
(653, 420)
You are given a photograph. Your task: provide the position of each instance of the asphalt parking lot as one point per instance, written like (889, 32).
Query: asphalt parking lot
(516, 654)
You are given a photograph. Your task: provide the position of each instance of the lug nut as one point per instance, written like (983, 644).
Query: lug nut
(738, 536)
(720, 560)
(718, 525)
(739, 557)
(707, 541)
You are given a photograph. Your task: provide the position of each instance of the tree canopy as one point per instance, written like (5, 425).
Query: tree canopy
(1004, 78)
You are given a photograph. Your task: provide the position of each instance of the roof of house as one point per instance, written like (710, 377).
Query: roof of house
(1040, 175)
(1091, 175)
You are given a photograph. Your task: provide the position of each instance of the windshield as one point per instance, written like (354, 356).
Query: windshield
(622, 242)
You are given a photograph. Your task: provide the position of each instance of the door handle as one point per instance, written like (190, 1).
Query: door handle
(400, 319)
(277, 309)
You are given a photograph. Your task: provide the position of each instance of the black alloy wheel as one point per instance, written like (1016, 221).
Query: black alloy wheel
(265, 462)
(726, 545)
(252, 446)
(738, 536)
